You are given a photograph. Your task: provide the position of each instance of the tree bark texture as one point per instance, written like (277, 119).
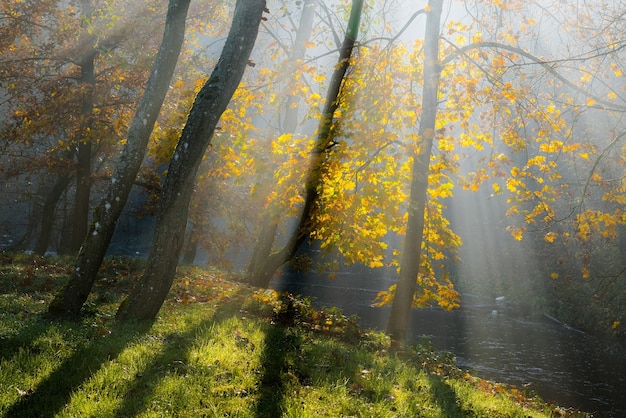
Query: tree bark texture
(323, 145)
(148, 296)
(69, 301)
(398, 322)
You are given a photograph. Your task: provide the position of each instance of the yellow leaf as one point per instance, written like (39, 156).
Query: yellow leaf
(375, 264)
(584, 155)
(550, 237)
(518, 233)
(615, 324)
(554, 275)
(590, 101)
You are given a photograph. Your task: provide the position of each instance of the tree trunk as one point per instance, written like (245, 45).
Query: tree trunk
(48, 211)
(86, 58)
(303, 35)
(398, 323)
(148, 296)
(191, 245)
(323, 145)
(263, 247)
(83, 155)
(264, 244)
(71, 298)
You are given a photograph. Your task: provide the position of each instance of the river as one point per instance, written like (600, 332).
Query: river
(561, 364)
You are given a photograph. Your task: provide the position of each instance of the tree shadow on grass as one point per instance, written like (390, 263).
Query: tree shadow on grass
(273, 363)
(171, 359)
(287, 360)
(282, 345)
(11, 345)
(53, 393)
(446, 398)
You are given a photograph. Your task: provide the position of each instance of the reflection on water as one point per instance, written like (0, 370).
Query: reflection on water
(562, 365)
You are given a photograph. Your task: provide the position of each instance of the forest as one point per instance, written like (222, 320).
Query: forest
(465, 146)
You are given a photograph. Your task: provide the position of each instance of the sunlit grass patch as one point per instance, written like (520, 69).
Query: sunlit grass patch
(219, 347)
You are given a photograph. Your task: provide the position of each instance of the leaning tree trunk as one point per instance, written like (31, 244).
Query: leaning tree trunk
(71, 298)
(146, 299)
(323, 145)
(398, 323)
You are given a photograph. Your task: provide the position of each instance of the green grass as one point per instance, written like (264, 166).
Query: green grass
(219, 348)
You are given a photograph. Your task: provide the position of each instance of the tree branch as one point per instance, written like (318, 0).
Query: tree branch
(544, 63)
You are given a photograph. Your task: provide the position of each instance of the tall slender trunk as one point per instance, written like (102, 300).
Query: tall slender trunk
(146, 299)
(87, 82)
(71, 298)
(83, 155)
(323, 145)
(398, 323)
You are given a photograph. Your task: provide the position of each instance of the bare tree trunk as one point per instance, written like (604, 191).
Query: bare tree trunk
(148, 296)
(70, 299)
(398, 323)
(323, 145)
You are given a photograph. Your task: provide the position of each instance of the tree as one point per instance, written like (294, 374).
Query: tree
(320, 154)
(147, 297)
(269, 226)
(397, 324)
(70, 77)
(70, 299)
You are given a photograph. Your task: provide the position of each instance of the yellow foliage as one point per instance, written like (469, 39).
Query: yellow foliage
(552, 146)
(550, 237)
(517, 233)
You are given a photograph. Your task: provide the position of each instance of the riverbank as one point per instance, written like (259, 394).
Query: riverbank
(219, 347)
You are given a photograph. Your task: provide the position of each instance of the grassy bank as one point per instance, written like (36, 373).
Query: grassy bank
(219, 348)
